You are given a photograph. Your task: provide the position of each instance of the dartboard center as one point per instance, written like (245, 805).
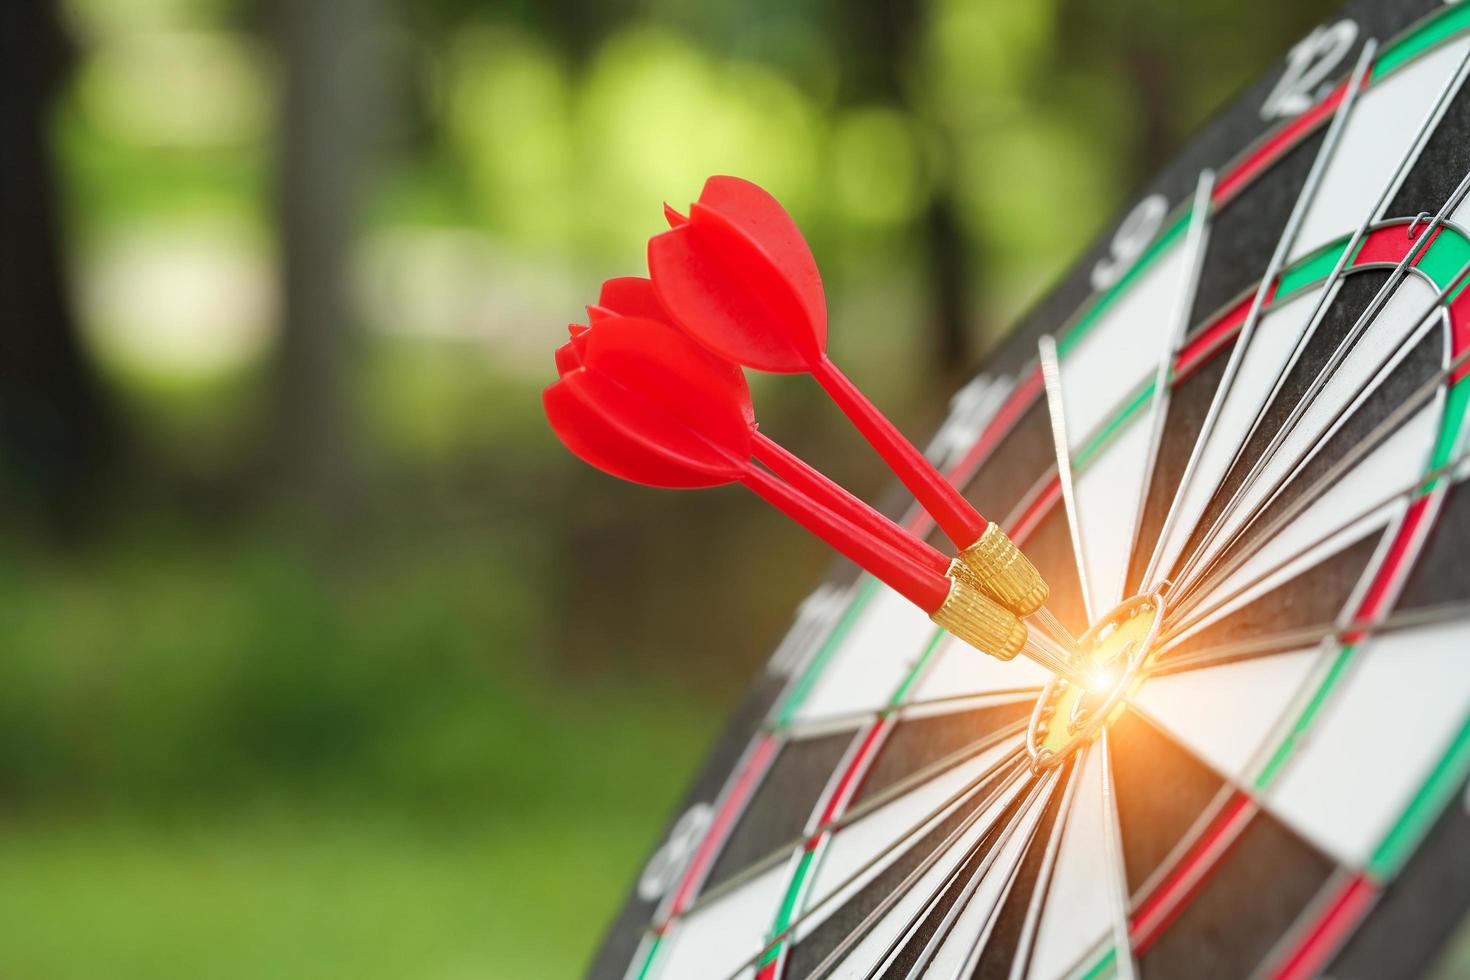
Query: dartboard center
(1118, 648)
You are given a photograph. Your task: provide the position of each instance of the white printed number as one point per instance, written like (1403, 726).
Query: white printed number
(970, 410)
(814, 617)
(1131, 238)
(664, 867)
(1308, 65)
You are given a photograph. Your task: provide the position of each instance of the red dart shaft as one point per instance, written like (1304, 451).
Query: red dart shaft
(952, 512)
(921, 585)
(812, 482)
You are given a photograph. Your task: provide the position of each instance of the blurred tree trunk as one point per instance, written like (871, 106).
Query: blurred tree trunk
(327, 121)
(879, 36)
(55, 433)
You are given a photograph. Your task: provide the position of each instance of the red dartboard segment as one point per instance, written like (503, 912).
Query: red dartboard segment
(1156, 912)
(1210, 340)
(852, 776)
(1378, 601)
(731, 806)
(1460, 329)
(1044, 503)
(1276, 146)
(830, 811)
(1022, 398)
(1353, 899)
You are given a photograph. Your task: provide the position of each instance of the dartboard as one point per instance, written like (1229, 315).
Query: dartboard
(1248, 400)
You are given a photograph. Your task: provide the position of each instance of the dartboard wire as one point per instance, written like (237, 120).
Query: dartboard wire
(909, 881)
(952, 703)
(1311, 689)
(1051, 376)
(999, 834)
(1012, 765)
(1332, 664)
(1339, 355)
(899, 788)
(1222, 327)
(1185, 585)
(1288, 641)
(1267, 283)
(1232, 563)
(1202, 610)
(1411, 153)
(1196, 241)
(1012, 873)
(1033, 503)
(1350, 339)
(805, 865)
(1194, 576)
(1436, 309)
(1123, 956)
(1020, 964)
(1030, 812)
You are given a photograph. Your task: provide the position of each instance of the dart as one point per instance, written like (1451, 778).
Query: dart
(633, 296)
(737, 275)
(648, 405)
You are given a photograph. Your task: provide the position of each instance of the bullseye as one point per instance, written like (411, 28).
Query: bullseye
(1117, 650)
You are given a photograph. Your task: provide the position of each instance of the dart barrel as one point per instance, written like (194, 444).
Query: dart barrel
(977, 619)
(995, 566)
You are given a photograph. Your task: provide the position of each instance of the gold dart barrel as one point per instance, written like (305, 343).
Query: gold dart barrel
(977, 619)
(995, 566)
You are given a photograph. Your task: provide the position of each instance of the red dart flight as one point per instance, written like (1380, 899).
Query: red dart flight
(737, 275)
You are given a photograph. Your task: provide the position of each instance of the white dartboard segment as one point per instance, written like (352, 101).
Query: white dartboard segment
(959, 670)
(860, 852)
(1384, 343)
(1227, 714)
(1379, 735)
(956, 956)
(1080, 894)
(1277, 333)
(885, 642)
(870, 952)
(714, 940)
(1325, 527)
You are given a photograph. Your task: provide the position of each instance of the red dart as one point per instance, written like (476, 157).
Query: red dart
(568, 356)
(634, 296)
(650, 406)
(737, 275)
(668, 421)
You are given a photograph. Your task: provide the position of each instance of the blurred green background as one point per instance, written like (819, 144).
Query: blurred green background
(322, 659)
